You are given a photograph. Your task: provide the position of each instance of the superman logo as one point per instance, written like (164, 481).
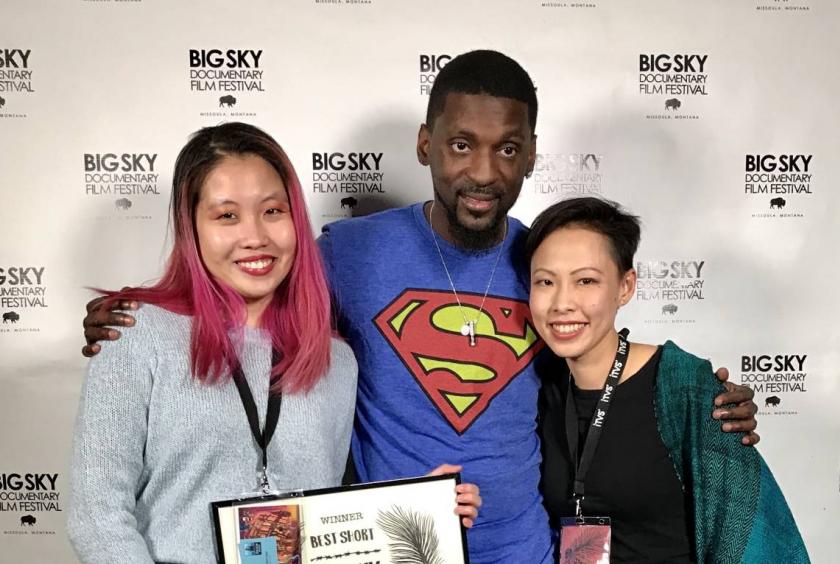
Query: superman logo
(424, 329)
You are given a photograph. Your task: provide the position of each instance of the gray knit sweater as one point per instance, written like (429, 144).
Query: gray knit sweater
(153, 447)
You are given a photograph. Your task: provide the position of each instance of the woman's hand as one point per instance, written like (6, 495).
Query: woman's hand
(467, 496)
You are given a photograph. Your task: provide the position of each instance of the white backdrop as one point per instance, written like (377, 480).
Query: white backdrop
(727, 270)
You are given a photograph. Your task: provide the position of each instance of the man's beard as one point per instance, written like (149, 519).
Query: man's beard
(473, 239)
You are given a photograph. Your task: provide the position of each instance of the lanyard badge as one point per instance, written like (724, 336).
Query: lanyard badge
(586, 540)
(263, 438)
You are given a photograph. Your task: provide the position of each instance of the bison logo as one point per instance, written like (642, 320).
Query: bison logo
(28, 520)
(423, 328)
(670, 309)
(2, 102)
(349, 202)
(772, 400)
(777, 203)
(11, 316)
(228, 101)
(672, 104)
(123, 204)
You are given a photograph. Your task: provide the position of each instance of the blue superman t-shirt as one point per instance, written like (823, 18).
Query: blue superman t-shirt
(425, 396)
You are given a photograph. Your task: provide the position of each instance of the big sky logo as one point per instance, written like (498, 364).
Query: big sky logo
(673, 75)
(674, 78)
(671, 285)
(22, 287)
(226, 73)
(670, 280)
(234, 68)
(423, 328)
(29, 492)
(121, 174)
(430, 65)
(775, 181)
(779, 375)
(15, 81)
(15, 71)
(347, 173)
(568, 174)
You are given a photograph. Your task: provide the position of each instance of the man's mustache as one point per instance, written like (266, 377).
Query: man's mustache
(477, 191)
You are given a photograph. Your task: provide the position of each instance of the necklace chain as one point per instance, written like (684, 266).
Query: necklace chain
(469, 326)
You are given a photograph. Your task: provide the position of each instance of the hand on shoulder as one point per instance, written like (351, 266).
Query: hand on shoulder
(100, 321)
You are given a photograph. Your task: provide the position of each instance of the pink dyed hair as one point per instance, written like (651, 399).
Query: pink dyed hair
(298, 318)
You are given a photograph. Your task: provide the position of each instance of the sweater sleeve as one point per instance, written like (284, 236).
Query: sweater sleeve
(108, 451)
(344, 371)
(740, 514)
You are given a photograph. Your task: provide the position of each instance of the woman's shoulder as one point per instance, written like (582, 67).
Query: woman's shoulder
(682, 369)
(136, 354)
(154, 323)
(158, 315)
(639, 357)
(674, 354)
(154, 327)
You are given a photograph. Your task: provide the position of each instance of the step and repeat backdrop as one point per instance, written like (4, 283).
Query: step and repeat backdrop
(715, 121)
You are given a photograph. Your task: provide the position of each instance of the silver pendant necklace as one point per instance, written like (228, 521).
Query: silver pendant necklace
(468, 328)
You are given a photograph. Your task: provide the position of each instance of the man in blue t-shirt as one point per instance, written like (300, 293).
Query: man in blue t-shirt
(433, 300)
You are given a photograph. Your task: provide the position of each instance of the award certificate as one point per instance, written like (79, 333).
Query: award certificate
(393, 522)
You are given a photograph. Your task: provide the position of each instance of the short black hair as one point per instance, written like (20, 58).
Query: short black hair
(483, 72)
(621, 228)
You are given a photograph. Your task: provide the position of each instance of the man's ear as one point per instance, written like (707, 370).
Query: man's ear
(424, 137)
(532, 157)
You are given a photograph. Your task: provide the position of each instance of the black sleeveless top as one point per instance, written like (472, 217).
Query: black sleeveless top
(631, 480)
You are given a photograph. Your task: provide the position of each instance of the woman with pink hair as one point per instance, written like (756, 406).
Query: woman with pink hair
(240, 317)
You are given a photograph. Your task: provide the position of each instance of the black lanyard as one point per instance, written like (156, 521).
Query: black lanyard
(596, 426)
(272, 416)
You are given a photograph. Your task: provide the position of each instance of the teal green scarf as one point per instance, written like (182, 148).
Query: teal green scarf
(740, 514)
